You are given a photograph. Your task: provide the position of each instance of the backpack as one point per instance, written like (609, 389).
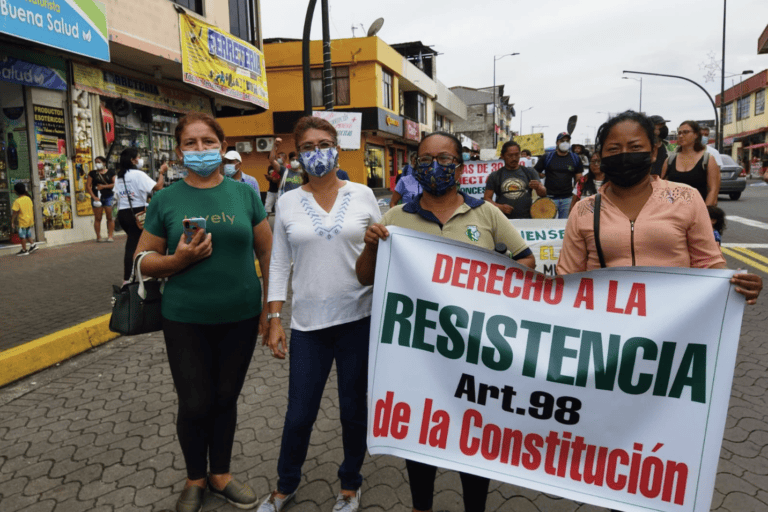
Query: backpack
(549, 156)
(671, 160)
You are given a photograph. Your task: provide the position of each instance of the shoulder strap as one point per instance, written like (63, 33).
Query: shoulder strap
(548, 158)
(671, 158)
(598, 200)
(705, 161)
(127, 193)
(576, 159)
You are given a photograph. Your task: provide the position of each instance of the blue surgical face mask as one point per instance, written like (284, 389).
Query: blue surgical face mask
(320, 161)
(202, 163)
(435, 178)
(465, 156)
(704, 140)
(230, 170)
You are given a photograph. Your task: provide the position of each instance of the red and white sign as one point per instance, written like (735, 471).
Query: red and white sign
(412, 131)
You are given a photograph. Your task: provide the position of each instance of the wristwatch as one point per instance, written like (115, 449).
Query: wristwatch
(270, 316)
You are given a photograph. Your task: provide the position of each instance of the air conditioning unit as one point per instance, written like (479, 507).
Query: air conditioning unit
(264, 143)
(244, 147)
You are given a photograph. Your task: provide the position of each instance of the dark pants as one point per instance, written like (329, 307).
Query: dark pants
(312, 355)
(208, 364)
(128, 222)
(422, 480)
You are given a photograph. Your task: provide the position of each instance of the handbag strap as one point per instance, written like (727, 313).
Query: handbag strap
(596, 225)
(142, 292)
(127, 193)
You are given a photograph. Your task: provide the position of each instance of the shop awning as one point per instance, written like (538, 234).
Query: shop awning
(728, 141)
(757, 146)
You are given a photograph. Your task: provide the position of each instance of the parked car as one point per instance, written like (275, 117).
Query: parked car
(733, 178)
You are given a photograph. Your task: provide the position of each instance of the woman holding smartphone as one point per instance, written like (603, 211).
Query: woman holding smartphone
(213, 309)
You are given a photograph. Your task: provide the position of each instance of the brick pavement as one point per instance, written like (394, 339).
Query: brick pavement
(56, 288)
(98, 434)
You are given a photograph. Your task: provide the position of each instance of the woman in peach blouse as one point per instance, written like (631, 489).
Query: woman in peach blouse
(644, 220)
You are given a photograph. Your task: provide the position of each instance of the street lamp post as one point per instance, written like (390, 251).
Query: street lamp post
(717, 117)
(495, 58)
(641, 90)
(521, 118)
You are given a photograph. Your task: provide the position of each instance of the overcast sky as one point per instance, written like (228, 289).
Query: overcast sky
(572, 53)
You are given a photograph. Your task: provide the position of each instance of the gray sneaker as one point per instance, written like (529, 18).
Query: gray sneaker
(191, 499)
(346, 503)
(238, 494)
(274, 504)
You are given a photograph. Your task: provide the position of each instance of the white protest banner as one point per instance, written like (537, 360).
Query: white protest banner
(545, 239)
(474, 174)
(608, 387)
(347, 124)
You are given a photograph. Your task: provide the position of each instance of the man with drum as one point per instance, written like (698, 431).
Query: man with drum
(561, 167)
(513, 185)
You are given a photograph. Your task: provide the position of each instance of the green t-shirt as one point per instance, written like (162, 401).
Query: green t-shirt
(223, 287)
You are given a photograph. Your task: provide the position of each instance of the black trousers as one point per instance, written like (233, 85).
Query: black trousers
(208, 364)
(128, 223)
(422, 480)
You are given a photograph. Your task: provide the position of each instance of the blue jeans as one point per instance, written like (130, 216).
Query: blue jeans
(312, 355)
(563, 206)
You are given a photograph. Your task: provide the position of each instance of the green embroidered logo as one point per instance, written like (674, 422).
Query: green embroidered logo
(473, 233)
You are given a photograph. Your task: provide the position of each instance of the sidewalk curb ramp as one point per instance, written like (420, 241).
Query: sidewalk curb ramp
(31, 357)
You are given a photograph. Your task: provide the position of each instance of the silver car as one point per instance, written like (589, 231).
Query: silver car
(733, 179)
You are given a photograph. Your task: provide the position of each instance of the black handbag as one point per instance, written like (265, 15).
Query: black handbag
(136, 305)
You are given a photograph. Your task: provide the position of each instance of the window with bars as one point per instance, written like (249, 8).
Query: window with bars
(759, 102)
(340, 80)
(386, 89)
(742, 111)
(192, 5)
(422, 108)
(728, 114)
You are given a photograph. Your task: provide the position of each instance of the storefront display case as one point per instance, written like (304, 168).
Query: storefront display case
(163, 145)
(130, 131)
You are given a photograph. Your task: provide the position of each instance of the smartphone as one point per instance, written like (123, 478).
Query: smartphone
(192, 226)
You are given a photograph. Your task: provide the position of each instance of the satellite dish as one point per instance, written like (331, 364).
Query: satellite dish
(375, 27)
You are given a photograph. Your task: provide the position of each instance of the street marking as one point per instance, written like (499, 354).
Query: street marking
(751, 254)
(746, 246)
(748, 222)
(744, 259)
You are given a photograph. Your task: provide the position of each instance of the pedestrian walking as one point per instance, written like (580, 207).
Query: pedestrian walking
(692, 164)
(443, 210)
(513, 185)
(590, 183)
(407, 188)
(212, 303)
(661, 132)
(133, 187)
(100, 184)
(23, 217)
(320, 227)
(561, 168)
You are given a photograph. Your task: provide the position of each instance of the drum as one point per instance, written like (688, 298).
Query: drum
(543, 208)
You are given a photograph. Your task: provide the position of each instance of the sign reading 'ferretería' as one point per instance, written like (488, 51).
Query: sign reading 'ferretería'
(76, 26)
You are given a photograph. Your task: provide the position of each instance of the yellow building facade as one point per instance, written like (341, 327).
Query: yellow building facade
(745, 123)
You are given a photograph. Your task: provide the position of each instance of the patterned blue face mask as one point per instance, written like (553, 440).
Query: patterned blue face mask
(320, 161)
(202, 163)
(435, 178)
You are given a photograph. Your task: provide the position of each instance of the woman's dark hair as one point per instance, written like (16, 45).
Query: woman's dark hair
(316, 123)
(21, 189)
(292, 154)
(100, 159)
(630, 115)
(507, 145)
(126, 161)
(718, 215)
(456, 143)
(697, 146)
(198, 117)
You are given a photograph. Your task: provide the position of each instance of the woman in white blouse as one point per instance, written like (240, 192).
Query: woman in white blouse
(320, 227)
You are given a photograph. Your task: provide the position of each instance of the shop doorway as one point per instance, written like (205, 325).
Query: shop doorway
(374, 163)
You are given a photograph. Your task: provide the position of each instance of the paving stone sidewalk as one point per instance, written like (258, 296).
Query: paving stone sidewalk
(98, 433)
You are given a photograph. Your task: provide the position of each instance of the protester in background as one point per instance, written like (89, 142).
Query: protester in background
(661, 132)
(589, 184)
(212, 303)
(320, 227)
(442, 210)
(466, 153)
(100, 184)
(560, 168)
(292, 177)
(692, 164)
(407, 188)
(525, 158)
(670, 226)
(475, 155)
(513, 185)
(133, 187)
(583, 153)
(710, 148)
(23, 217)
(274, 179)
(232, 169)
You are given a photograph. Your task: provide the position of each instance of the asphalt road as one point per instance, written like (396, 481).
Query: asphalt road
(745, 240)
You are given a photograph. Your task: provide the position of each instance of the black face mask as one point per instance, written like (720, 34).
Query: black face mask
(626, 169)
(663, 132)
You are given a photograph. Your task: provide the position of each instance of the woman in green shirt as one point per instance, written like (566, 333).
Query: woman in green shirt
(213, 308)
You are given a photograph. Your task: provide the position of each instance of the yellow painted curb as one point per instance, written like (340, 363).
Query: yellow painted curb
(44, 352)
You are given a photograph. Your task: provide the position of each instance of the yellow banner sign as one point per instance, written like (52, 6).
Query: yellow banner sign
(533, 142)
(137, 90)
(219, 62)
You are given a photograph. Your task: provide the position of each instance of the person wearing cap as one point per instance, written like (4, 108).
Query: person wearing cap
(561, 167)
(661, 132)
(233, 163)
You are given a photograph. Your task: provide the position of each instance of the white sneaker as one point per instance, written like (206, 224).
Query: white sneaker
(274, 504)
(346, 503)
